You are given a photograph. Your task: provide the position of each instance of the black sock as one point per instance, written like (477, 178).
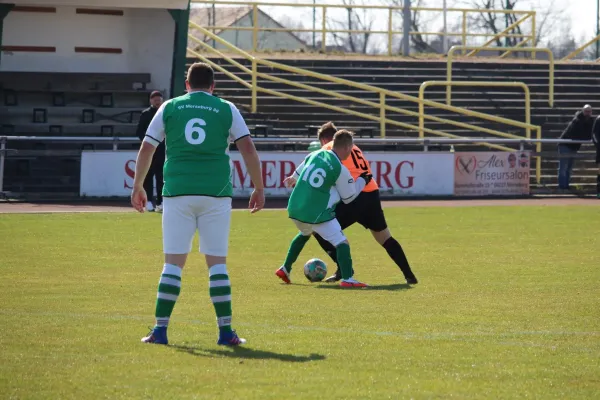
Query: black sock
(598, 184)
(327, 247)
(396, 253)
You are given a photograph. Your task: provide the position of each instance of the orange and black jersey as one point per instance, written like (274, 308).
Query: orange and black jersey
(357, 164)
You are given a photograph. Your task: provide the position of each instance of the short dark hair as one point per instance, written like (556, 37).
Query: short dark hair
(343, 138)
(200, 76)
(327, 131)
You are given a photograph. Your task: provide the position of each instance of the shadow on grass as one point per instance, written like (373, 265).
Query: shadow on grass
(246, 353)
(392, 287)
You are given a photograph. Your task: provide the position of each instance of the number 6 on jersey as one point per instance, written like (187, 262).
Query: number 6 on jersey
(195, 134)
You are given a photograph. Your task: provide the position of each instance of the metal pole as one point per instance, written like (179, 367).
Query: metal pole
(314, 24)
(2, 155)
(506, 39)
(598, 28)
(214, 23)
(406, 29)
(445, 42)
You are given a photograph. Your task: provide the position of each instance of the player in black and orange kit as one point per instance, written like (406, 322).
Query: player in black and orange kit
(366, 210)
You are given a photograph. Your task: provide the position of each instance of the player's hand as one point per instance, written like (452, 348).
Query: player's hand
(139, 199)
(290, 181)
(257, 200)
(367, 177)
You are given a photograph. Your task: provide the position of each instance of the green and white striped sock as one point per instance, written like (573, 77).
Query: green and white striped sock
(220, 294)
(169, 287)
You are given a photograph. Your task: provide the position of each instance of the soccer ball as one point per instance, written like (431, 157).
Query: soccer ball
(315, 270)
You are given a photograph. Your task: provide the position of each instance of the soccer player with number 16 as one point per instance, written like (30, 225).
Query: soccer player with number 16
(321, 181)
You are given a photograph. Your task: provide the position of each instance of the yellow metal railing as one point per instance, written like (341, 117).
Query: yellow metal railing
(506, 32)
(510, 49)
(381, 105)
(521, 85)
(393, 17)
(581, 49)
(528, 126)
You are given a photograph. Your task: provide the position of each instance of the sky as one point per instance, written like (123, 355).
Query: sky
(581, 13)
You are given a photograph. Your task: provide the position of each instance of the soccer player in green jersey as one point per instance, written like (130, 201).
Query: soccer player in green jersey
(197, 129)
(321, 181)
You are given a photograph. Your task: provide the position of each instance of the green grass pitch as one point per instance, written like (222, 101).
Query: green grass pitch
(508, 306)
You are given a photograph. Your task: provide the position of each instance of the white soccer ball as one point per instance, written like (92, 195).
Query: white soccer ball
(315, 270)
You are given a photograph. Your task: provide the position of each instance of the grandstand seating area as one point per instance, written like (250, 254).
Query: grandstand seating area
(64, 104)
(575, 85)
(108, 104)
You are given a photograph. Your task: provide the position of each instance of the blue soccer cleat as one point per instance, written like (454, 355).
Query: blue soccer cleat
(230, 339)
(158, 335)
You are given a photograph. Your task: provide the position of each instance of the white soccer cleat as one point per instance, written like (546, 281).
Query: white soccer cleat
(149, 206)
(159, 208)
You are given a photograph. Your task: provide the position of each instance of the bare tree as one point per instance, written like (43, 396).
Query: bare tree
(355, 19)
(419, 23)
(548, 19)
(291, 23)
(564, 43)
(494, 23)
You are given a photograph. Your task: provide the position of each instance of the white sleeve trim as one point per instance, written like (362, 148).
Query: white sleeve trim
(298, 171)
(239, 129)
(347, 187)
(155, 133)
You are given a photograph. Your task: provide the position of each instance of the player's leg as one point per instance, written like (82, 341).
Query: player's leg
(214, 221)
(294, 250)
(396, 253)
(332, 232)
(373, 219)
(346, 216)
(179, 227)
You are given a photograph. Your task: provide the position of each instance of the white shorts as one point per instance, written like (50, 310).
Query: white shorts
(183, 215)
(330, 231)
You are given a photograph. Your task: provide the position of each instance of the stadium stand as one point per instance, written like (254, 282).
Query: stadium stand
(575, 85)
(86, 70)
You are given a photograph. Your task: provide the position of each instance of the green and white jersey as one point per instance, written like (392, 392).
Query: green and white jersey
(197, 128)
(322, 181)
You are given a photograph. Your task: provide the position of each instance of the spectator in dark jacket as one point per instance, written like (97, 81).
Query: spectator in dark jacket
(596, 139)
(580, 128)
(156, 168)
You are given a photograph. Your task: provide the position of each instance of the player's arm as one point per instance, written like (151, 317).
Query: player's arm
(348, 188)
(240, 134)
(154, 136)
(291, 180)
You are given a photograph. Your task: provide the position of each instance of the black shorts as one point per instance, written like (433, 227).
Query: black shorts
(365, 209)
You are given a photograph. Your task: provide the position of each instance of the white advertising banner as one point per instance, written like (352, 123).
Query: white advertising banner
(492, 173)
(110, 173)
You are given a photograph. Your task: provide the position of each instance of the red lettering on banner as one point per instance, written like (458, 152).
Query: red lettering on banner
(267, 173)
(130, 172)
(241, 175)
(285, 169)
(382, 170)
(411, 179)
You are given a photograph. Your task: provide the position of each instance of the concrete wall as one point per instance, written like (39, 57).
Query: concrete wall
(146, 37)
